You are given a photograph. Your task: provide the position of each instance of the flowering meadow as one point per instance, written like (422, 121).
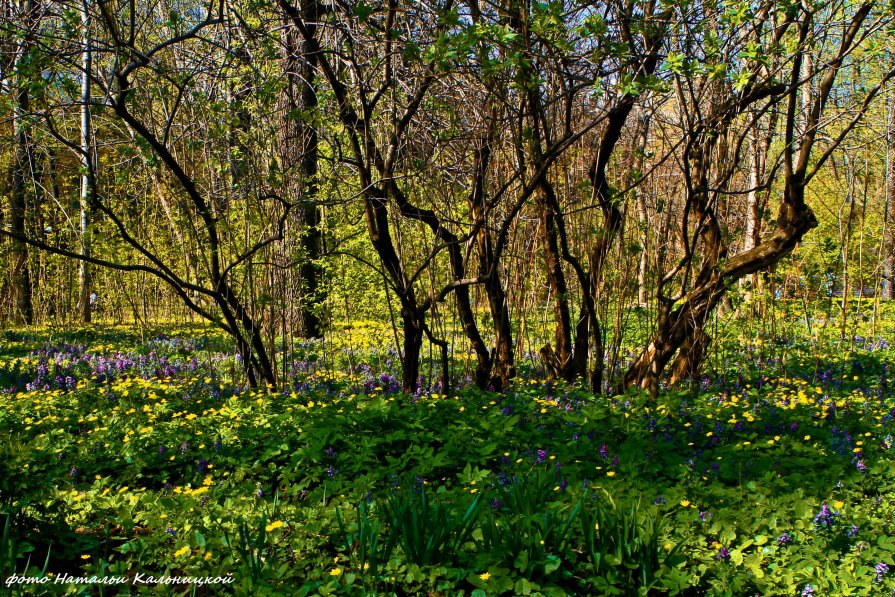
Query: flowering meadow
(142, 456)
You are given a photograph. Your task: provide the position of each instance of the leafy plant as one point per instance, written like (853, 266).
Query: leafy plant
(368, 553)
(530, 530)
(427, 532)
(623, 543)
(11, 551)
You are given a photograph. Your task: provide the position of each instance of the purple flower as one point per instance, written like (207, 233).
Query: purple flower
(808, 591)
(542, 456)
(604, 452)
(660, 501)
(259, 493)
(202, 466)
(853, 531)
(161, 449)
(723, 554)
(861, 466)
(496, 504)
(73, 472)
(784, 539)
(703, 516)
(882, 569)
(171, 531)
(825, 518)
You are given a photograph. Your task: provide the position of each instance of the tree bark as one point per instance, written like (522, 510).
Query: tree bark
(23, 168)
(888, 290)
(299, 148)
(87, 171)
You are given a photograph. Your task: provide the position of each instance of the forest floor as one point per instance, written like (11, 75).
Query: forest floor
(140, 456)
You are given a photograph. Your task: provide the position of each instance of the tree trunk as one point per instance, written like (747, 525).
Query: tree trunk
(299, 147)
(556, 281)
(20, 271)
(889, 240)
(684, 325)
(87, 172)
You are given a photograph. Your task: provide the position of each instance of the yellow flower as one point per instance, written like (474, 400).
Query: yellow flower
(86, 556)
(485, 576)
(335, 572)
(274, 526)
(685, 503)
(807, 438)
(182, 551)
(610, 474)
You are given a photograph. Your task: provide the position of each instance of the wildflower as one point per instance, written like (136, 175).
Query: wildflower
(853, 531)
(542, 456)
(259, 493)
(202, 466)
(703, 516)
(485, 575)
(660, 501)
(171, 531)
(808, 591)
(784, 539)
(825, 518)
(496, 504)
(604, 452)
(274, 526)
(723, 554)
(335, 572)
(882, 569)
(182, 551)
